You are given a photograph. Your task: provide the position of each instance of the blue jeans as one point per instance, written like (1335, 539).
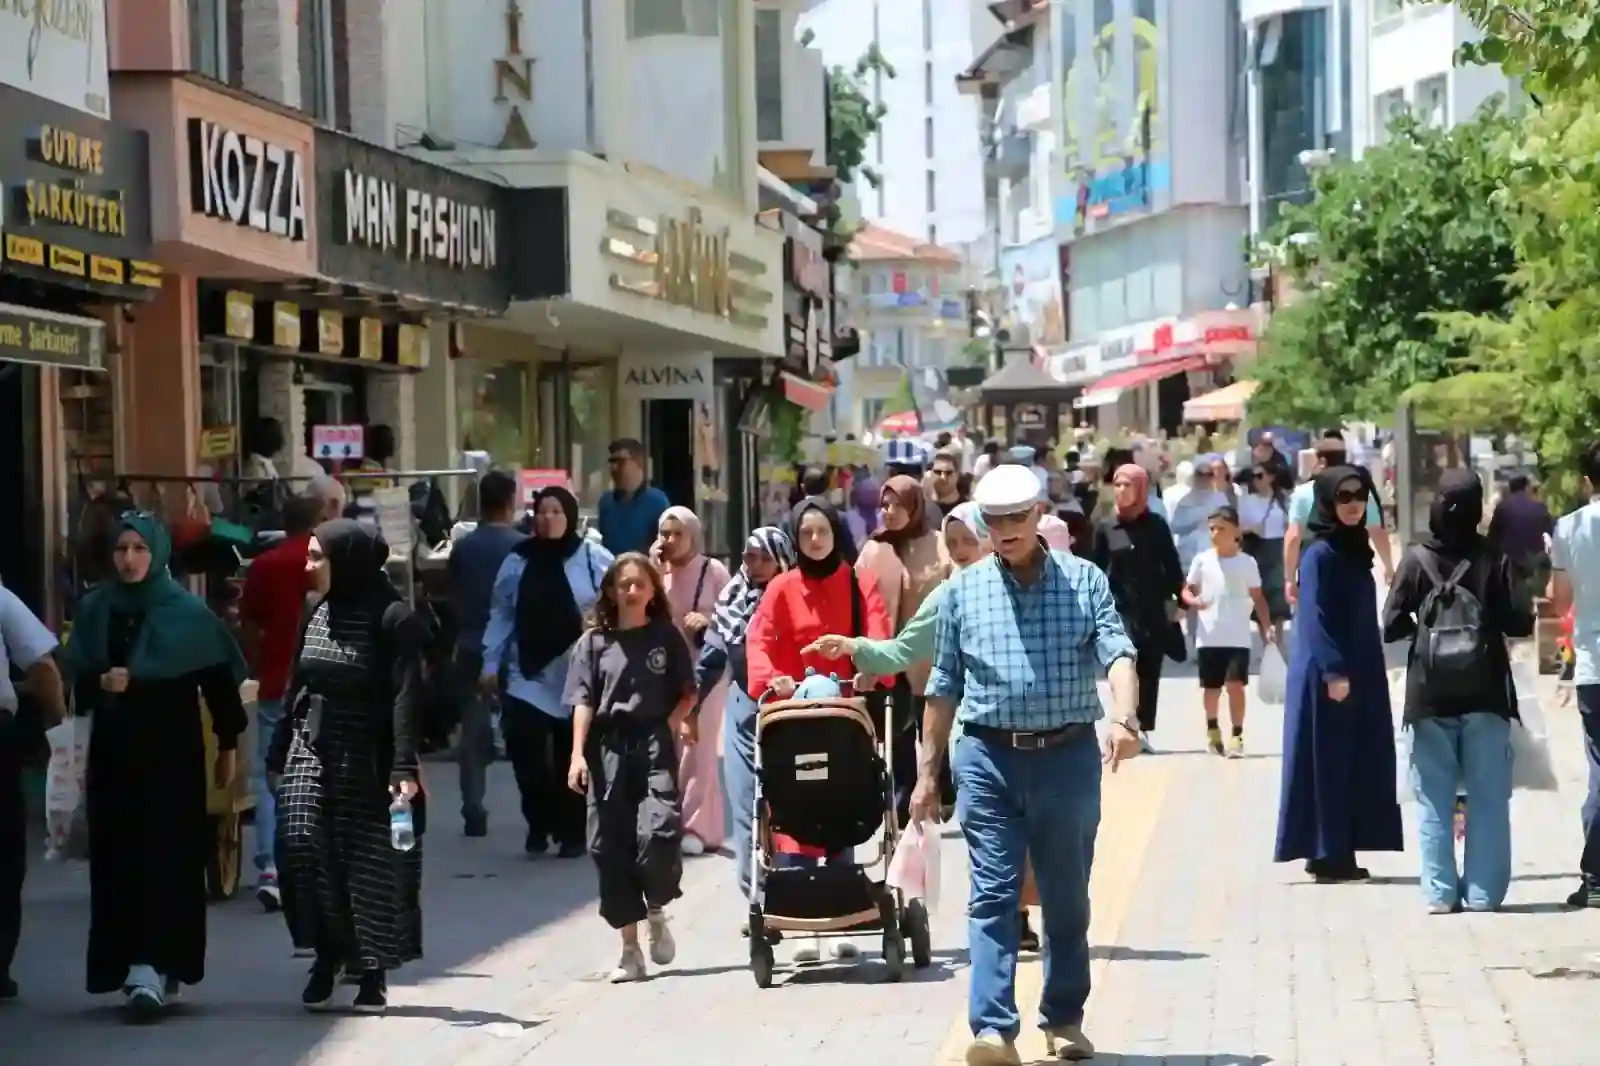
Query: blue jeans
(1470, 753)
(475, 748)
(1589, 715)
(268, 714)
(1013, 805)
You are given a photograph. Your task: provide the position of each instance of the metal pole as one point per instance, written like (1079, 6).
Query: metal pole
(1253, 132)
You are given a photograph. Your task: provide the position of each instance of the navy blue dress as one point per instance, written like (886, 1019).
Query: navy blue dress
(1338, 793)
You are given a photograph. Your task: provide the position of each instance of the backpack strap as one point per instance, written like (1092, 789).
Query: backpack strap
(1442, 584)
(700, 584)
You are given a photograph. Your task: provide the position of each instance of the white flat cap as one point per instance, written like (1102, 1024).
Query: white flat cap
(1007, 489)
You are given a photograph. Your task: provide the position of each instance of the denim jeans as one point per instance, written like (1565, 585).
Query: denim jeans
(268, 714)
(1012, 805)
(1471, 753)
(475, 748)
(1589, 715)
(739, 774)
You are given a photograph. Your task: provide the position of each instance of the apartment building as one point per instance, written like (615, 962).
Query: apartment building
(1410, 55)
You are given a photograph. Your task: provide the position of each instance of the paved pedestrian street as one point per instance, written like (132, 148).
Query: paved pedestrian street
(1206, 954)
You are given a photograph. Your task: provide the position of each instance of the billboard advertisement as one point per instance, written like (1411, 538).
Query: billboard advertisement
(1032, 311)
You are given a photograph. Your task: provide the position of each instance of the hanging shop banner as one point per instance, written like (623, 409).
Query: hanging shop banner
(44, 338)
(338, 443)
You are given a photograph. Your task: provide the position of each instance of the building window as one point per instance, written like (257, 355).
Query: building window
(933, 233)
(927, 25)
(769, 74)
(674, 18)
(1433, 101)
(317, 66)
(685, 115)
(208, 39)
(1386, 107)
(1293, 60)
(927, 84)
(933, 181)
(927, 137)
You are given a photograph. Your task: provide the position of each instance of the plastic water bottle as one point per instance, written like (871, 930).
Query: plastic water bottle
(402, 831)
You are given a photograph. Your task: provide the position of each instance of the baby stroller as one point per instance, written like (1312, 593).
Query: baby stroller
(823, 781)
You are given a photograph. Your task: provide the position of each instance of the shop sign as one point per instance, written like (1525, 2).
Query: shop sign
(667, 379)
(48, 339)
(691, 264)
(370, 340)
(514, 71)
(411, 346)
(76, 208)
(1028, 416)
(247, 181)
(56, 49)
(327, 329)
(435, 226)
(286, 325)
(534, 481)
(338, 443)
(219, 442)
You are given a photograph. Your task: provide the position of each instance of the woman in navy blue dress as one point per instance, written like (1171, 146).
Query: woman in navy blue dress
(1338, 736)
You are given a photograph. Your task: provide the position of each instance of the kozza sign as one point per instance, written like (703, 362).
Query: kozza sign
(247, 181)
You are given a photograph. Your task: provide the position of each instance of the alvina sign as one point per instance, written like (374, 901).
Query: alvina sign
(414, 225)
(247, 181)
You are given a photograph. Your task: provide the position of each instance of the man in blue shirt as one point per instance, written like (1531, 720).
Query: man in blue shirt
(1022, 637)
(474, 561)
(630, 512)
(1330, 452)
(1575, 584)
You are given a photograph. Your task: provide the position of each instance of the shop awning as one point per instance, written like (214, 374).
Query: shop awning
(1224, 405)
(904, 423)
(1110, 388)
(807, 394)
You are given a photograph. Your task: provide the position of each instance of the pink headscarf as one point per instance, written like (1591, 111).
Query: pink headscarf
(1055, 533)
(1139, 478)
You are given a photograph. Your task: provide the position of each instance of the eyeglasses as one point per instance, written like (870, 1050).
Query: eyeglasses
(1261, 477)
(1344, 496)
(940, 471)
(1015, 518)
(129, 516)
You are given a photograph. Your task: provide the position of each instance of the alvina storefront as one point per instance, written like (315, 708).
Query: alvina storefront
(75, 264)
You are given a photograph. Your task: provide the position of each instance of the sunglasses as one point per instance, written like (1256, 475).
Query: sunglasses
(1261, 477)
(1014, 518)
(1344, 496)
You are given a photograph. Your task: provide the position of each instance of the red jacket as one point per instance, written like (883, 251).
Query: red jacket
(796, 610)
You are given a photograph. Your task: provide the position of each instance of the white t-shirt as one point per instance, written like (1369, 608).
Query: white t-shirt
(1264, 516)
(25, 642)
(1224, 586)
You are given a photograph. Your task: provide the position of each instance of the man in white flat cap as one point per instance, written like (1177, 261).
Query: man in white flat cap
(1037, 627)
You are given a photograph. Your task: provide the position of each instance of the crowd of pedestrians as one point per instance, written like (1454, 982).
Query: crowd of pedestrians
(975, 617)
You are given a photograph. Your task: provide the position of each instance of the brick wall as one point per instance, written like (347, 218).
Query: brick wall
(392, 402)
(281, 398)
(367, 77)
(270, 56)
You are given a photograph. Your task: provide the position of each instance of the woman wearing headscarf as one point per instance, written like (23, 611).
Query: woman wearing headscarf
(1264, 519)
(862, 517)
(767, 553)
(1134, 547)
(1459, 717)
(1338, 794)
(694, 582)
(821, 595)
(143, 654)
(906, 562)
(544, 589)
(346, 750)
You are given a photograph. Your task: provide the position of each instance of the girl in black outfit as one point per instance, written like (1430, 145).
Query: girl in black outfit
(1135, 549)
(1459, 718)
(346, 750)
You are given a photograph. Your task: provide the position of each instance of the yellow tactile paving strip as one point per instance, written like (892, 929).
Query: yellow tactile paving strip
(1132, 800)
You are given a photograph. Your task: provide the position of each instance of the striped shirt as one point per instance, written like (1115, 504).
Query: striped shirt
(1026, 658)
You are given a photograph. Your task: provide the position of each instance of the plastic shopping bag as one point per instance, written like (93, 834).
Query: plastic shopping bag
(914, 868)
(1272, 680)
(1402, 766)
(1531, 768)
(66, 821)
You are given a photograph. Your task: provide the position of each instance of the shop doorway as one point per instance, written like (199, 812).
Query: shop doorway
(21, 490)
(669, 448)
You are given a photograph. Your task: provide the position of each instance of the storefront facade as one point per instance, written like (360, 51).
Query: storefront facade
(75, 262)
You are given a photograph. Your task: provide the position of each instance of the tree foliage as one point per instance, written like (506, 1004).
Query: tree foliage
(1390, 240)
(854, 118)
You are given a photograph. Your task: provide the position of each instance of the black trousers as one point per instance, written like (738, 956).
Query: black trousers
(13, 839)
(539, 748)
(1148, 669)
(635, 821)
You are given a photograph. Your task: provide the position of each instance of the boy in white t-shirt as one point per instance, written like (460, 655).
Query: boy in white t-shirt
(1224, 585)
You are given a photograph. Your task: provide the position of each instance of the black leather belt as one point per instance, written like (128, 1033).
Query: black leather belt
(1036, 740)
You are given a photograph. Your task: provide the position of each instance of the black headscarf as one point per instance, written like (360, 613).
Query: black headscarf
(819, 568)
(1352, 542)
(1453, 519)
(548, 619)
(357, 556)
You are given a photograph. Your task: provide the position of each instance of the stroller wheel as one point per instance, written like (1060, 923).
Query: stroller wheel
(761, 962)
(917, 931)
(894, 954)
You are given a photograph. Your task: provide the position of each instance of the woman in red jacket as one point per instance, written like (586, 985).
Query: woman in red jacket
(823, 595)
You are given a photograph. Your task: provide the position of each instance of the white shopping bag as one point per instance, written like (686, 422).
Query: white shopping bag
(1272, 679)
(1531, 768)
(914, 868)
(66, 822)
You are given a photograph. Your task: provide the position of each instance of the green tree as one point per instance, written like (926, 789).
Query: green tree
(854, 118)
(1388, 242)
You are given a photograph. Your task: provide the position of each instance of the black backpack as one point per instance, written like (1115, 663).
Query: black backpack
(1452, 646)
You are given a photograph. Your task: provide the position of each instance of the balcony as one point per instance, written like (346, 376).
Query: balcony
(1010, 156)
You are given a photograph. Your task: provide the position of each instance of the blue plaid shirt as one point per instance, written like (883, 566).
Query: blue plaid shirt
(1026, 658)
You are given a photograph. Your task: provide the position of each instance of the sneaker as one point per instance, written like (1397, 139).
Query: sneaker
(1068, 1042)
(144, 991)
(1587, 895)
(845, 950)
(1029, 941)
(663, 949)
(173, 990)
(8, 989)
(693, 845)
(535, 844)
(1443, 908)
(1145, 747)
(304, 952)
(318, 994)
(1236, 747)
(373, 997)
(1213, 740)
(808, 952)
(571, 851)
(267, 892)
(992, 1049)
(630, 967)
(475, 825)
